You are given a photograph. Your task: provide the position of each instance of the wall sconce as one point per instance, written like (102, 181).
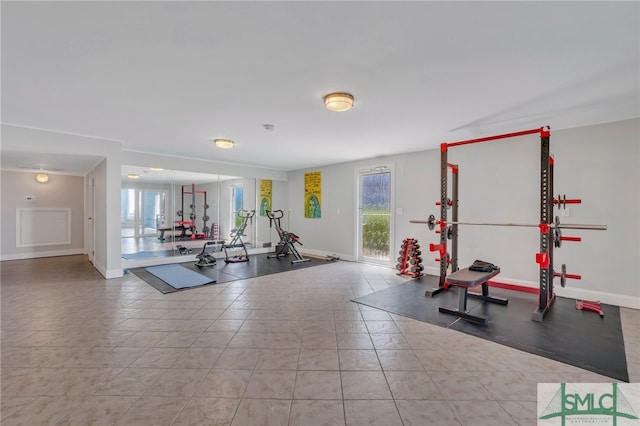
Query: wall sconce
(338, 102)
(42, 177)
(223, 143)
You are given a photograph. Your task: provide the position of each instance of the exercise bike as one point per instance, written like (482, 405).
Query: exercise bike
(287, 239)
(205, 257)
(236, 240)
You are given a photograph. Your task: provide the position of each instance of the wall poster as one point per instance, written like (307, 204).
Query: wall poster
(266, 187)
(312, 194)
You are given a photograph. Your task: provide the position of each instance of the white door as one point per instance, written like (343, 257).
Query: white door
(375, 220)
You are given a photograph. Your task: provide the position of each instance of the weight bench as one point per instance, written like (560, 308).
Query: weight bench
(465, 279)
(183, 228)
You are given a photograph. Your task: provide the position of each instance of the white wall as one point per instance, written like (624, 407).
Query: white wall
(499, 182)
(61, 191)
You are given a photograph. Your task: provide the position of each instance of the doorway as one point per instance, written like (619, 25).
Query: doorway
(375, 219)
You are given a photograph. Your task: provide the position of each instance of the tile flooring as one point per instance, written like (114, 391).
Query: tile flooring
(285, 349)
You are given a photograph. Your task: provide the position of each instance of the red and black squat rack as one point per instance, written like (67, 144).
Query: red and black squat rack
(191, 223)
(550, 231)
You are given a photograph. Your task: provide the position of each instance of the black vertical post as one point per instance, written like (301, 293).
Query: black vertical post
(455, 175)
(204, 216)
(182, 204)
(442, 247)
(443, 212)
(545, 256)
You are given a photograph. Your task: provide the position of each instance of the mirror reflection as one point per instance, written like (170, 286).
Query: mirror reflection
(167, 213)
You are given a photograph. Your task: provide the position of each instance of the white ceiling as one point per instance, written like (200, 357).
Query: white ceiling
(166, 77)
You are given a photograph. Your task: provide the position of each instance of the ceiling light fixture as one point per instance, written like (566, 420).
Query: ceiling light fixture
(156, 169)
(42, 177)
(338, 102)
(223, 143)
(133, 176)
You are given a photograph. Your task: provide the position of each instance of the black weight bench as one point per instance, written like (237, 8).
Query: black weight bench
(465, 279)
(182, 229)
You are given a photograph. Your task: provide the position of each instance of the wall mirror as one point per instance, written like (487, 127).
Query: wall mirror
(168, 213)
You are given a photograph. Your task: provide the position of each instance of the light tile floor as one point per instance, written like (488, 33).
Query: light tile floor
(285, 349)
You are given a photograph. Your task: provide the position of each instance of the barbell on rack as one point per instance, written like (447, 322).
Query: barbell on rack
(431, 224)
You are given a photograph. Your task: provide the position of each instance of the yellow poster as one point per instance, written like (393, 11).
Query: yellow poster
(312, 194)
(266, 187)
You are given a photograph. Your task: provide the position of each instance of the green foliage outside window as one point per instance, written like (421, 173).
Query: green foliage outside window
(376, 235)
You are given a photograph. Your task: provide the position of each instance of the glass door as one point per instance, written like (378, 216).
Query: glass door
(151, 214)
(143, 212)
(375, 207)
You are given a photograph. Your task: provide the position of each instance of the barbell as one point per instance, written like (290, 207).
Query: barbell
(431, 224)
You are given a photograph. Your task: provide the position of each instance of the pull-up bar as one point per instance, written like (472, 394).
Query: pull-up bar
(543, 131)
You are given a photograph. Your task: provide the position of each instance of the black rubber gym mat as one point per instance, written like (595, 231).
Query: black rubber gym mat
(222, 272)
(568, 335)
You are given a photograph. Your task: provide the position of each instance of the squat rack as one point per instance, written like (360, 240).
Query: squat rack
(550, 234)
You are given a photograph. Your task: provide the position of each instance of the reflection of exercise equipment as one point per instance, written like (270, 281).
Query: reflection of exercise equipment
(236, 240)
(183, 249)
(285, 245)
(191, 223)
(205, 257)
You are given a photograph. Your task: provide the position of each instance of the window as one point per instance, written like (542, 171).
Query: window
(237, 195)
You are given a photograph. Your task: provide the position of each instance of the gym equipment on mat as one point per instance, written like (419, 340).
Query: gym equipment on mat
(236, 240)
(205, 257)
(410, 258)
(549, 227)
(586, 305)
(466, 278)
(287, 239)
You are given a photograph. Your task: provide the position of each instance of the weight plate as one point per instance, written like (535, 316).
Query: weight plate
(557, 237)
(431, 222)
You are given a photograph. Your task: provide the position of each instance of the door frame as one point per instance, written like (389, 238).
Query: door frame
(379, 168)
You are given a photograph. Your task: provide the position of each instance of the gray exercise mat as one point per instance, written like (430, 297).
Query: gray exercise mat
(177, 276)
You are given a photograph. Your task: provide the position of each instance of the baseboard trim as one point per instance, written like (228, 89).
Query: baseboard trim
(40, 254)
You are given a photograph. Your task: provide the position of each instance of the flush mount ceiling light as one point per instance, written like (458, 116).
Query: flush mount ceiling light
(338, 102)
(223, 143)
(156, 169)
(133, 176)
(42, 177)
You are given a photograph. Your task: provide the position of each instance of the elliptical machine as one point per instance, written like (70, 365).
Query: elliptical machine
(285, 245)
(236, 240)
